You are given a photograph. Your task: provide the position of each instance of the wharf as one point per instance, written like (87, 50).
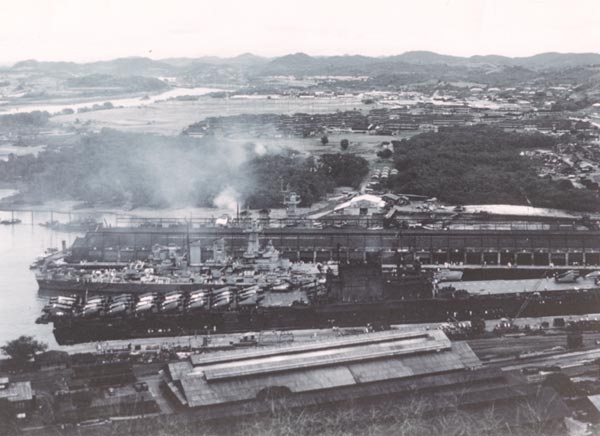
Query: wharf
(481, 272)
(490, 287)
(482, 246)
(217, 341)
(463, 267)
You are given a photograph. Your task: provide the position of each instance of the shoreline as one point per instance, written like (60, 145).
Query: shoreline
(119, 100)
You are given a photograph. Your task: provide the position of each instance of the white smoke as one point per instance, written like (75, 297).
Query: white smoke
(228, 199)
(260, 149)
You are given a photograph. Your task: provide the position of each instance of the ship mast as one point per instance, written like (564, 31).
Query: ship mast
(291, 200)
(253, 241)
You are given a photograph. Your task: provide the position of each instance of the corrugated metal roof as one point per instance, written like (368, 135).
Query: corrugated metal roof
(179, 369)
(595, 400)
(228, 356)
(319, 366)
(17, 391)
(467, 356)
(359, 353)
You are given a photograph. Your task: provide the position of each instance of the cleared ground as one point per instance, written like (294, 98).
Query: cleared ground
(171, 117)
(361, 144)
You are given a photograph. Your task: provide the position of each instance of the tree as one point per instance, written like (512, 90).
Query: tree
(562, 384)
(324, 140)
(478, 326)
(344, 144)
(23, 348)
(482, 164)
(344, 169)
(8, 423)
(386, 153)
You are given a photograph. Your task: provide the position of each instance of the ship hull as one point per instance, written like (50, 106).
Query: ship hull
(574, 302)
(81, 287)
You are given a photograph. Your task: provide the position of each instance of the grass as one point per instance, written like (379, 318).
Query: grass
(387, 418)
(171, 117)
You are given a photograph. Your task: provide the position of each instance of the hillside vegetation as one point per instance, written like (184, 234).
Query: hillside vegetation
(127, 83)
(482, 165)
(116, 169)
(395, 417)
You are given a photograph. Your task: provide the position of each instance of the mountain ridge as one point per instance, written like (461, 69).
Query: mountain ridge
(420, 57)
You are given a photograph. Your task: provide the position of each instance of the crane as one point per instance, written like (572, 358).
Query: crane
(508, 323)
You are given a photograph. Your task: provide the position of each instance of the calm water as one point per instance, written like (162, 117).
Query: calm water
(20, 244)
(20, 304)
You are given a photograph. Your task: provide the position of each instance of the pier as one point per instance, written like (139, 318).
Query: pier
(544, 247)
(502, 243)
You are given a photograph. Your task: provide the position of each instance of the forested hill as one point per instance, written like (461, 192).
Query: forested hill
(115, 169)
(483, 165)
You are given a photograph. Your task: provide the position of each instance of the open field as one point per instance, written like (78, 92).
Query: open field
(361, 144)
(171, 117)
(7, 149)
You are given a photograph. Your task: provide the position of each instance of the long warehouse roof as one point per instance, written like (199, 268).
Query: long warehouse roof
(240, 376)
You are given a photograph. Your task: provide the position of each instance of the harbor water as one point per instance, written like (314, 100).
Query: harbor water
(21, 243)
(20, 303)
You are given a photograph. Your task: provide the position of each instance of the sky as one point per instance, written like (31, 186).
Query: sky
(87, 30)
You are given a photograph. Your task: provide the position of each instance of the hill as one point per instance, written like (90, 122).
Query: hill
(298, 62)
(482, 165)
(398, 70)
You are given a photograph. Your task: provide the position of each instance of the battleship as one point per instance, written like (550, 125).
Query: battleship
(360, 294)
(167, 269)
(169, 294)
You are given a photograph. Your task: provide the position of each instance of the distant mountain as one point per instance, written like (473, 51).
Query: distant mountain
(301, 63)
(128, 83)
(134, 66)
(49, 67)
(427, 57)
(539, 61)
(293, 61)
(558, 60)
(243, 59)
(413, 66)
(248, 59)
(491, 60)
(422, 66)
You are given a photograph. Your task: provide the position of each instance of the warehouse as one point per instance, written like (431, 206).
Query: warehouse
(294, 371)
(368, 370)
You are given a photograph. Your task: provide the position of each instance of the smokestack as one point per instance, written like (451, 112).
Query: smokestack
(64, 245)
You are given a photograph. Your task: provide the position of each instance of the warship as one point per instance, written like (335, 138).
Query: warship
(168, 269)
(359, 294)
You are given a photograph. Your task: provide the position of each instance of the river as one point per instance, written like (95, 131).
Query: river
(57, 106)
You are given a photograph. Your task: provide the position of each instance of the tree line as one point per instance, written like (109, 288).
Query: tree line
(482, 165)
(115, 169)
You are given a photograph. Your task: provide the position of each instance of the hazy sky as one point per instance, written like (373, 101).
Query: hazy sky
(84, 30)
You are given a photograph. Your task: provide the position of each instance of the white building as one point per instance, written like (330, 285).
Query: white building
(366, 204)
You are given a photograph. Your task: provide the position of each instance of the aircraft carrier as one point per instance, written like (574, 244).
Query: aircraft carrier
(477, 241)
